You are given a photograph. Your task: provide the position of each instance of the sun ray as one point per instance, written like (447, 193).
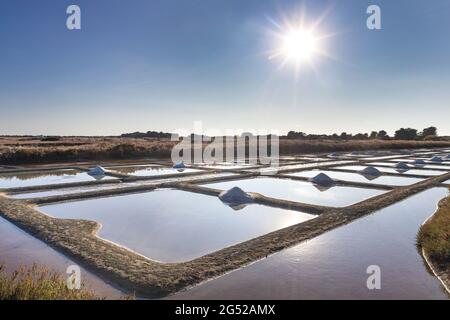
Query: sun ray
(299, 42)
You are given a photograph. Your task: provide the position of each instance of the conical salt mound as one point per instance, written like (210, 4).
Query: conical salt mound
(402, 166)
(322, 180)
(235, 196)
(97, 171)
(371, 171)
(179, 166)
(419, 162)
(436, 159)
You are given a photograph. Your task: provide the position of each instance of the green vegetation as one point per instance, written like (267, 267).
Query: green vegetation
(434, 236)
(429, 133)
(38, 283)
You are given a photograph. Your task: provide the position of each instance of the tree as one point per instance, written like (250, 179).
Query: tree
(430, 131)
(296, 135)
(382, 135)
(406, 134)
(373, 135)
(361, 136)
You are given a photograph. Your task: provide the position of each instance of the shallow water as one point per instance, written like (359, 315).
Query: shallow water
(428, 164)
(227, 165)
(145, 171)
(392, 170)
(274, 170)
(59, 192)
(18, 248)
(411, 164)
(381, 158)
(333, 265)
(300, 191)
(428, 160)
(17, 180)
(173, 225)
(354, 177)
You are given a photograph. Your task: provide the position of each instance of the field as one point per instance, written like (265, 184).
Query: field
(22, 150)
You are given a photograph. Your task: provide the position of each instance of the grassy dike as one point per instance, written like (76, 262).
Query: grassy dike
(434, 240)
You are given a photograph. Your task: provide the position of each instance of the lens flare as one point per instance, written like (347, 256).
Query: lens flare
(299, 42)
(299, 45)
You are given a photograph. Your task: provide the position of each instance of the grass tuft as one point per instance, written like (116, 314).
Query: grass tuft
(38, 283)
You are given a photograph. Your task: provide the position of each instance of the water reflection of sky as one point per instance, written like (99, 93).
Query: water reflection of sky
(355, 177)
(36, 179)
(299, 191)
(173, 225)
(333, 265)
(150, 170)
(393, 170)
(58, 192)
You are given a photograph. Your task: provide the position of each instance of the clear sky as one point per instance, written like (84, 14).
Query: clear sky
(144, 65)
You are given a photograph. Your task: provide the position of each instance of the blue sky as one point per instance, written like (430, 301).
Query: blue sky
(144, 65)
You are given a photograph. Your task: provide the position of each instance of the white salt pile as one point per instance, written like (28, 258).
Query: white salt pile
(235, 196)
(97, 171)
(371, 171)
(419, 162)
(322, 180)
(402, 166)
(436, 159)
(179, 166)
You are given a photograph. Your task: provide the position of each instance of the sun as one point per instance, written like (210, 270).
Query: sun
(299, 42)
(299, 45)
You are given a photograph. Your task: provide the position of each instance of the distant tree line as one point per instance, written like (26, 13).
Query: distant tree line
(148, 134)
(429, 133)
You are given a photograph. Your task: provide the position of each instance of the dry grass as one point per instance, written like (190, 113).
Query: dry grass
(38, 283)
(306, 146)
(18, 150)
(14, 151)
